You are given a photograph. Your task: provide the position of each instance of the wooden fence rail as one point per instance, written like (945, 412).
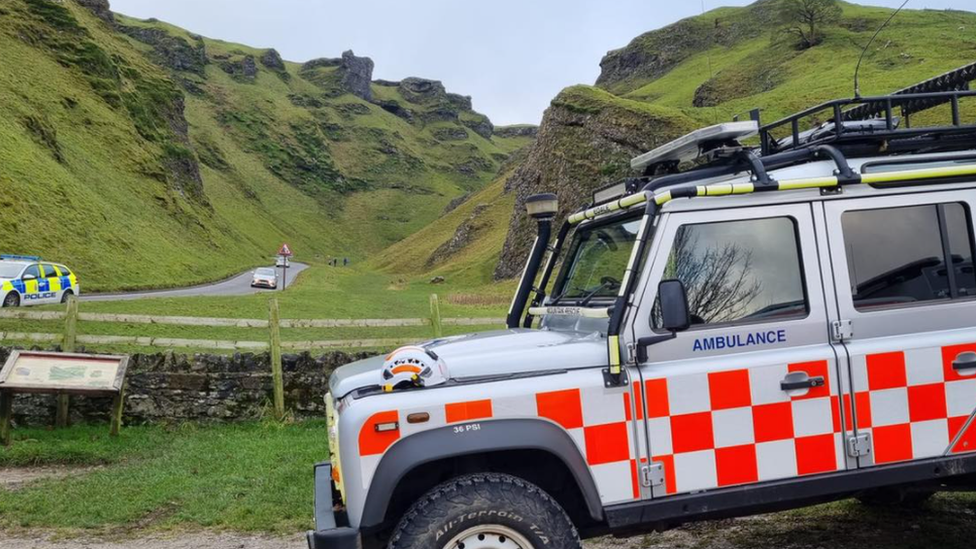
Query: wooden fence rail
(16, 314)
(71, 317)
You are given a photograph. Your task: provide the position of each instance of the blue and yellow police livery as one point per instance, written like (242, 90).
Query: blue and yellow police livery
(26, 280)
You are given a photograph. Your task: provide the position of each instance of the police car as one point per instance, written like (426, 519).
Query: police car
(735, 330)
(26, 280)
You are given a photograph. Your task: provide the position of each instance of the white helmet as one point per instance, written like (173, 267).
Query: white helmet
(415, 365)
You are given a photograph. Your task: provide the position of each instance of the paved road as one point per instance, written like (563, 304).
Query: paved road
(238, 285)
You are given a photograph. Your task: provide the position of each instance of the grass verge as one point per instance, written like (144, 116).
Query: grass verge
(246, 477)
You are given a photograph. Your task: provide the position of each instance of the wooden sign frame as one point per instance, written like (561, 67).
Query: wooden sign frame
(8, 389)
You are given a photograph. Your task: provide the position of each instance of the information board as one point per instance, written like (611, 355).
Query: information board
(30, 371)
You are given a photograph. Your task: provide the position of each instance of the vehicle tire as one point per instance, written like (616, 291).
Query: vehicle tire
(892, 497)
(11, 300)
(486, 511)
(66, 295)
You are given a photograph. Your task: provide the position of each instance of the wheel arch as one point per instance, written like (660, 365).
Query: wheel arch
(494, 443)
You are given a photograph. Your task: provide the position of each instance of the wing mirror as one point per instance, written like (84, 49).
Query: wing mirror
(673, 300)
(674, 306)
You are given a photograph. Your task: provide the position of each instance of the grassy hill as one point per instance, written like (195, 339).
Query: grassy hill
(704, 70)
(143, 155)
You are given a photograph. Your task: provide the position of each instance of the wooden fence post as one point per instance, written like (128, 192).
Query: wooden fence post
(118, 403)
(68, 343)
(435, 316)
(274, 323)
(6, 414)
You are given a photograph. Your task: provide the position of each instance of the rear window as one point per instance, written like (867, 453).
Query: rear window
(914, 254)
(64, 270)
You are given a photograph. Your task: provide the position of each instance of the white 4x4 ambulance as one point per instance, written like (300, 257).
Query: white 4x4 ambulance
(775, 327)
(26, 280)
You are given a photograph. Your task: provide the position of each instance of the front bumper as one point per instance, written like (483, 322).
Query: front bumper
(328, 534)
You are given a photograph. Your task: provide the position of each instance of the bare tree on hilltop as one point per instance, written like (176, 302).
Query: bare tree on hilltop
(804, 19)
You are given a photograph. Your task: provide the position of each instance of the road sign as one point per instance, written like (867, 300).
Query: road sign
(285, 250)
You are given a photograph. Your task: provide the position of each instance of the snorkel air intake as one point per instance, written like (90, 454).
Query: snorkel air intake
(542, 208)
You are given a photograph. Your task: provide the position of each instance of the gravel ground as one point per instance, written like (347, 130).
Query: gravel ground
(16, 477)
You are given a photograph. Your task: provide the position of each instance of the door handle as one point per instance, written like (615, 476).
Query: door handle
(965, 361)
(800, 380)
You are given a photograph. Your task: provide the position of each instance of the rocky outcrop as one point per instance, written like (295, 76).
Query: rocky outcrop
(479, 124)
(357, 74)
(100, 8)
(653, 54)
(272, 60)
(520, 130)
(463, 236)
(395, 108)
(179, 161)
(586, 141)
(352, 74)
(242, 69)
(450, 134)
(172, 52)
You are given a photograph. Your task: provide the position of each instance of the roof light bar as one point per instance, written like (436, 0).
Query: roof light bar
(12, 257)
(690, 147)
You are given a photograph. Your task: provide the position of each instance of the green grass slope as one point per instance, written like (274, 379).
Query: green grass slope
(732, 66)
(145, 156)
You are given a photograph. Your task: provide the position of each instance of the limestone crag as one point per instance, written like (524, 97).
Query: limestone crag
(586, 141)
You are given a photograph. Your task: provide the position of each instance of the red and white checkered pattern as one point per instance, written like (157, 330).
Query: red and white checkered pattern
(734, 427)
(913, 403)
(598, 419)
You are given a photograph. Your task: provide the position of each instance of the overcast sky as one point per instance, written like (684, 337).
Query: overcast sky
(511, 56)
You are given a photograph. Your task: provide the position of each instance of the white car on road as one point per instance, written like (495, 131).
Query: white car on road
(265, 277)
(26, 280)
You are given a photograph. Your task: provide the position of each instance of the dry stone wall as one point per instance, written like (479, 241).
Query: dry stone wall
(200, 387)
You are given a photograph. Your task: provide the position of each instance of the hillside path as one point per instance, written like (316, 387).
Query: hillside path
(238, 285)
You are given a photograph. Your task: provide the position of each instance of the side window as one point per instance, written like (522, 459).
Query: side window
(899, 256)
(739, 271)
(64, 270)
(32, 271)
(49, 271)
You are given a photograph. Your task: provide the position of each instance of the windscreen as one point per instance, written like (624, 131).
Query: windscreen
(265, 272)
(598, 261)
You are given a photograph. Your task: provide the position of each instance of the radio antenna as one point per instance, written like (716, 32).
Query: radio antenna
(857, 71)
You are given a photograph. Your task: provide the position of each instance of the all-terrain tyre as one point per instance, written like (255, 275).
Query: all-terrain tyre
(892, 497)
(486, 511)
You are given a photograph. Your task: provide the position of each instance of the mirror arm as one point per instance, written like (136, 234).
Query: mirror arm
(645, 342)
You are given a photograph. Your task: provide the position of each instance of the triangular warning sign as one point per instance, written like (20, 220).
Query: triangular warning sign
(285, 250)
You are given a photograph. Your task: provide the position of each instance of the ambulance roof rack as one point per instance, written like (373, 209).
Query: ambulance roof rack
(12, 257)
(872, 121)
